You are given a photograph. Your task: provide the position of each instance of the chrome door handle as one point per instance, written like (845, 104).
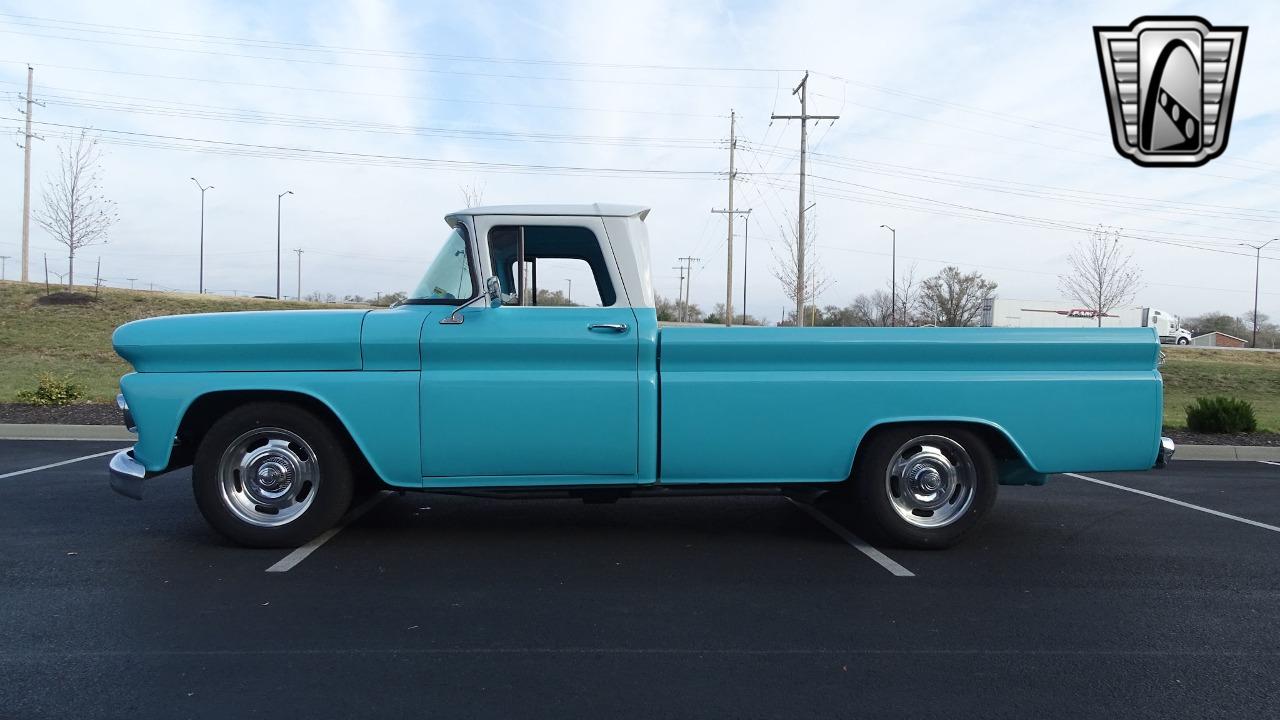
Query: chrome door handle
(611, 327)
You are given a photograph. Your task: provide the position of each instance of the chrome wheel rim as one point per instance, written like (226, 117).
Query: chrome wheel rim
(268, 477)
(930, 481)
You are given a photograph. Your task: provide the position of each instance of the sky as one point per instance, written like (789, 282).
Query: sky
(958, 121)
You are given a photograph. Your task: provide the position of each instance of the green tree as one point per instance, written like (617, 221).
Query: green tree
(954, 299)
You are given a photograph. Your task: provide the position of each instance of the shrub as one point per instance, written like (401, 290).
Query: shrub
(52, 390)
(1221, 415)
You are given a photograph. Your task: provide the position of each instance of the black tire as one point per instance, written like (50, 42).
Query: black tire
(1183, 341)
(879, 511)
(305, 450)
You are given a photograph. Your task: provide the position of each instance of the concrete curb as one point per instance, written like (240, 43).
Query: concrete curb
(20, 431)
(115, 432)
(1227, 452)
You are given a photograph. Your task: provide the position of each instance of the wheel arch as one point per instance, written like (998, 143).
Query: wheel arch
(206, 408)
(1012, 462)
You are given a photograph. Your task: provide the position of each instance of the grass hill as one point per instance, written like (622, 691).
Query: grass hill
(75, 340)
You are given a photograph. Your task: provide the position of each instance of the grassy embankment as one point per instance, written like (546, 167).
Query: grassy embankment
(1193, 372)
(76, 341)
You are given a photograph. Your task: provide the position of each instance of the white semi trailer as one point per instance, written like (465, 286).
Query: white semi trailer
(1011, 312)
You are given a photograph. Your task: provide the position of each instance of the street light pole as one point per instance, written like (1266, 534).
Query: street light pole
(202, 190)
(893, 278)
(570, 298)
(278, 197)
(1257, 269)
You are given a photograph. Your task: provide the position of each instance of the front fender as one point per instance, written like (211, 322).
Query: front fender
(378, 409)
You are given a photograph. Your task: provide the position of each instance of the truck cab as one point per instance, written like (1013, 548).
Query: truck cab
(1168, 326)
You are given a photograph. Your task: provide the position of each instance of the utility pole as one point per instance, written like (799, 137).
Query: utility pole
(299, 251)
(728, 282)
(728, 308)
(569, 298)
(680, 293)
(804, 117)
(131, 281)
(26, 178)
(688, 282)
(1257, 271)
(278, 197)
(746, 239)
(3, 258)
(202, 191)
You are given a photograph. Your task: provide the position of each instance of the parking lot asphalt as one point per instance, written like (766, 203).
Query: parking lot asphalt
(1073, 600)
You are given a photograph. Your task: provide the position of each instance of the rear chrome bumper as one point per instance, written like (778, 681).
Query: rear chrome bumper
(127, 474)
(1165, 453)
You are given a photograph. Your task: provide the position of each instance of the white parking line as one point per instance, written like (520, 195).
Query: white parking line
(290, 561)
(866, 549)
(1220, 514)
(1269, 462)
(16, 473)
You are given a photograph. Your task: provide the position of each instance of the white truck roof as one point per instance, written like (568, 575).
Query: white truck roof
(587, 209)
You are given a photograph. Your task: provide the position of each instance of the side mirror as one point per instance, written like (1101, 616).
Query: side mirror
(492, 292)
(493, 289)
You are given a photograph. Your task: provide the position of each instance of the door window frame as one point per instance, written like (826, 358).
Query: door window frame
(484, 225)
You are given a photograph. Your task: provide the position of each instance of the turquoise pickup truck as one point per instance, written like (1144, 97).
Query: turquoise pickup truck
(479, 380)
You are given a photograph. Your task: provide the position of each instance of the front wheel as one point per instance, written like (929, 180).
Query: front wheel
(271, 475)
(1184, 341)
(923, 487)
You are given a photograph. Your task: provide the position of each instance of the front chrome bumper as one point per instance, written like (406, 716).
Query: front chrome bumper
(1165, 454)
(127, 474)
(126, 416)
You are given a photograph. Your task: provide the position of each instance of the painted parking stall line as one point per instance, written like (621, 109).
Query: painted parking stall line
(1270, 462)
(1179, 503)
(16, 473)
(290, 561)
(858, 543)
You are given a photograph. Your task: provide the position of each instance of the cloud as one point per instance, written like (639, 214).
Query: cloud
(979, 105)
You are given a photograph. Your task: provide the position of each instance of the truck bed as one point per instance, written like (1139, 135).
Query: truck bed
(768, 405)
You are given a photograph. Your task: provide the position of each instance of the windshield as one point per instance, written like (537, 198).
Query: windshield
(448, 277)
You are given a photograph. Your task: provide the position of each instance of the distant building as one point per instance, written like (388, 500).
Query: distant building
(1219, 339)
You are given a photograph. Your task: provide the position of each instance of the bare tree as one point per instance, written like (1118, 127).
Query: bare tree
(1102, 274)
(954, 299)
(908, 293)
(786, 261)
(74, 211)
(473, 194)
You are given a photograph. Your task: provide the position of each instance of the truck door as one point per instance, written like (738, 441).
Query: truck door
(544, 389)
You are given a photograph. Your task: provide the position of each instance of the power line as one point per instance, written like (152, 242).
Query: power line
(1047, 192)
(102, 28)
(912, 203)
(398, 68)
(355, 157)
(358, 93)
(246, 116)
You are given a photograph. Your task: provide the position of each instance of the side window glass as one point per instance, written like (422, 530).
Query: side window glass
(550, 266)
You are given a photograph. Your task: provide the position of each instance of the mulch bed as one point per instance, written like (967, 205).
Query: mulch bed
(1258, 439)
(84, 414)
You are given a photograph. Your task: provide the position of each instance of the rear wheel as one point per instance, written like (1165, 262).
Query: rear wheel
(923, 486)
(271, 475)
